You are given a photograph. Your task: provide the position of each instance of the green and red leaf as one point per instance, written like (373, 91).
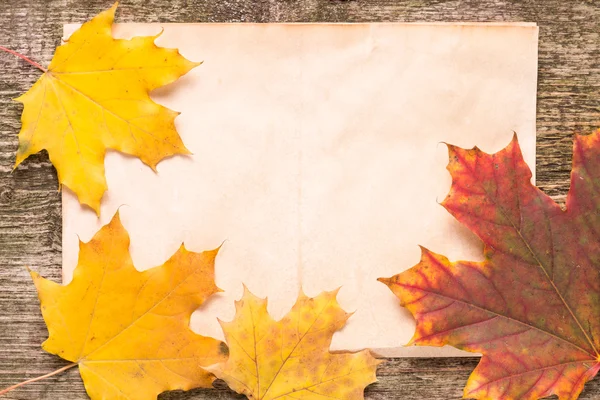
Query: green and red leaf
(532, 308)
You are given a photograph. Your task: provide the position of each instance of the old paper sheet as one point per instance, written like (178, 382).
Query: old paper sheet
(317, 159)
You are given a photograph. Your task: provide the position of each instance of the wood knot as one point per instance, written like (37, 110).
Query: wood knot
(6, 195)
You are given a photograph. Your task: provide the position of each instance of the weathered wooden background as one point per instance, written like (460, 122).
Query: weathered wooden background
(30, 205)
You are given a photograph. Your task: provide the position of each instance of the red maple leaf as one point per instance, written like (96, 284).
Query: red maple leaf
(532, 308)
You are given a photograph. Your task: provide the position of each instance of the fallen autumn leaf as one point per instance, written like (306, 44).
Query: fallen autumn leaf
(532, 308)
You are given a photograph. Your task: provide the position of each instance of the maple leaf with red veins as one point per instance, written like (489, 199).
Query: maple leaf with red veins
(532, 308)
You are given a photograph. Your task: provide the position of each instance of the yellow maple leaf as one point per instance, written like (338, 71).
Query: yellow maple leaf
(128, 331)
(94, 96)
(290, 359)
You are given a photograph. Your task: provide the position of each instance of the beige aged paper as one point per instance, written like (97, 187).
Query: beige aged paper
(317, 159)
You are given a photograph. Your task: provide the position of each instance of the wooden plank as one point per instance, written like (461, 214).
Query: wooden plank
(30, 207)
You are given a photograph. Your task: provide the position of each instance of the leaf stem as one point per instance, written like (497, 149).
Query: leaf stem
(39, 378)
(24, 58)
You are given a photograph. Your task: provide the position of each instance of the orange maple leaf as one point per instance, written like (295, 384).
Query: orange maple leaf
(128, 331)
(93, 97)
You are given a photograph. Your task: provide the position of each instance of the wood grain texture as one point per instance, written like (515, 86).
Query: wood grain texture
(30, 206)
